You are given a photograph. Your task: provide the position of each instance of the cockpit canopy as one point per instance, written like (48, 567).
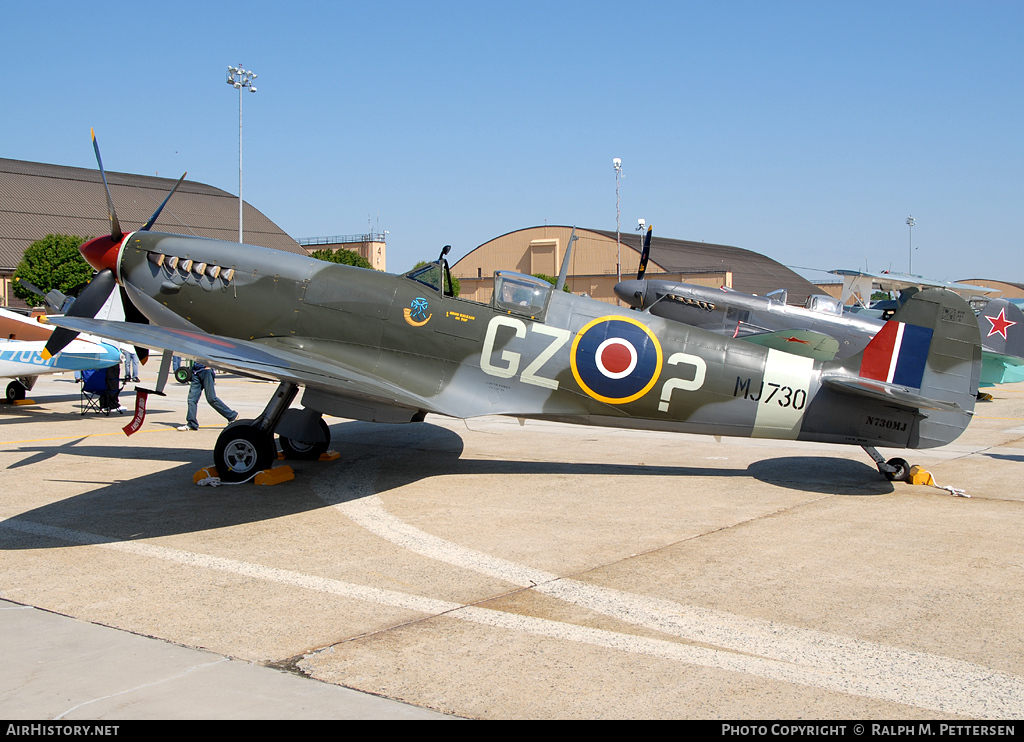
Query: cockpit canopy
(513, 292)
(519, 293)
(824, 304)
(428, 275)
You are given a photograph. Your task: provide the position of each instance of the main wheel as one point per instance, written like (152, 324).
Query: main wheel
(15, 391)
(902, 472)
(294, 449)
(242, 450)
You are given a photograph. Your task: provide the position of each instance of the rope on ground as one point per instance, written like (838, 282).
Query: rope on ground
(952, 490)
(217, 481)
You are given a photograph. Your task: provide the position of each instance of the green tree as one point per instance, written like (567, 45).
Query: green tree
(52, 263)
(432, 278)
(552, 280)
(343, 256)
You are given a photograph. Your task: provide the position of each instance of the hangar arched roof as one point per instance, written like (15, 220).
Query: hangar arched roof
(37, 199)
(1010, 289)
(753, 273)
(595, 253)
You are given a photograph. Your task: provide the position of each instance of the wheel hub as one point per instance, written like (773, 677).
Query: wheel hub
(240, 456)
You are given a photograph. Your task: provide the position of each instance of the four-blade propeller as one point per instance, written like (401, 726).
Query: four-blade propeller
(101, 253)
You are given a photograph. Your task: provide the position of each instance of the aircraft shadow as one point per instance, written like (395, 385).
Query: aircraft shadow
(1005, 456)
(165, 503)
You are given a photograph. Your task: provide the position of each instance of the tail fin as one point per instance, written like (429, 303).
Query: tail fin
(926, 361)
(1002, 328)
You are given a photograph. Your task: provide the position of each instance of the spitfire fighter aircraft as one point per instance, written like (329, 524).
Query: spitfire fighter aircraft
(21, 358)
(822, 329)
(392, 348)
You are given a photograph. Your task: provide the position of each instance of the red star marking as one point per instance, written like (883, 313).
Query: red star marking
(999, 324)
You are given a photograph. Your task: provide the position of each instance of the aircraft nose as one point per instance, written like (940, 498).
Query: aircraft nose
(627, 290)
(101, 252)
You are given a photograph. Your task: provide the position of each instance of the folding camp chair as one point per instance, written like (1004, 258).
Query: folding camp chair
(100, 390)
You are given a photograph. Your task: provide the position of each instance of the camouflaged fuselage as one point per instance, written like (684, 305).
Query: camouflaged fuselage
(561, 357)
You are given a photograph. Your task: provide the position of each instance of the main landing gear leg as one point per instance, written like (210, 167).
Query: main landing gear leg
(895, 470)
(246, 447)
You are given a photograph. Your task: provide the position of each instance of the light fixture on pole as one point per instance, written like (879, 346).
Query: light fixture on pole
(240, 78)
(910, 223)
(617, 164)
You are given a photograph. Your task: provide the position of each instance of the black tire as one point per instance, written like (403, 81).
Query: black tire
(902, 473)
(242, 450)
(15, 391)
(300, 450)
(183, 375)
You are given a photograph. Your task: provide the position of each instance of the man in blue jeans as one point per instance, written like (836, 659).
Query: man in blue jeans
(202, 381)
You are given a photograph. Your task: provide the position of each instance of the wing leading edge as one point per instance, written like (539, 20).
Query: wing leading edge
(258, 360)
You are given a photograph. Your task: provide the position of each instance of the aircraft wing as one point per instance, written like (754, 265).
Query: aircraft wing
(861, 283)
(19, 327)
(260, 360)
(806, 343)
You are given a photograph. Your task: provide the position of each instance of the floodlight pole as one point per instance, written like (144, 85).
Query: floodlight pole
(240, 78)
(910, 223)
(617, 164)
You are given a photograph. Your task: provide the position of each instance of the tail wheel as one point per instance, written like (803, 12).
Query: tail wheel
(295, 449)
(242, 450)
(901, 473)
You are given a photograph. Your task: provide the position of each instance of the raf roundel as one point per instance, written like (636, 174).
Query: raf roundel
(616, 359)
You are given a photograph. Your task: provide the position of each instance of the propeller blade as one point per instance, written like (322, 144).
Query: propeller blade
(115, 226)
(563, 272)
(645, 254)
(87, 305)
(30, 286)
(149, 225)
(132, 314)
(54, 298)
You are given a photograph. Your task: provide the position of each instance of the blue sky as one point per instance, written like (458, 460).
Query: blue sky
(808, 131)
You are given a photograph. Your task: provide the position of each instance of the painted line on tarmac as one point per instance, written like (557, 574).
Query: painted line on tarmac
(940, 684)
(248, 569)
(120, 433)
(984, 694)
(810, 657)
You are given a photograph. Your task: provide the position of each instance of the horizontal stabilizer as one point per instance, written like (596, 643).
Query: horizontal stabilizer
(892, 393)
(999, 368)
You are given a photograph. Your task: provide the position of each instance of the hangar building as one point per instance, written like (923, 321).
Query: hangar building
(592, 268)
(37, 199)
(1010, 290)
